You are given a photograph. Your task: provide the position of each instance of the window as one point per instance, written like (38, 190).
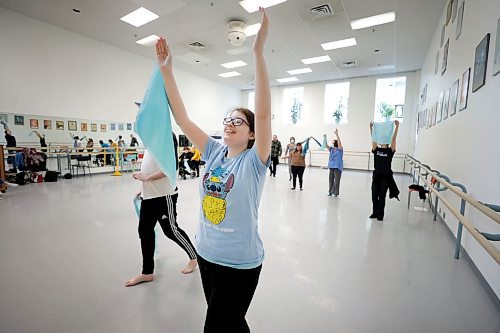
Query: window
(293, 102)
(336, 103)
(251, 101)
(390, 99)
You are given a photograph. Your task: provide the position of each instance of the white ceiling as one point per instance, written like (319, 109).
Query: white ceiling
(294, 34)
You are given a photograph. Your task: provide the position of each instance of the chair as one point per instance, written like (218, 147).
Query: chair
(86, 164)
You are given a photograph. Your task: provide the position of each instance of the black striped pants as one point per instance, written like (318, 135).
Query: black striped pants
(163, 210)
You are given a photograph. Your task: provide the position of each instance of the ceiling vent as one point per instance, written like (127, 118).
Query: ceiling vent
(349, 64)
(196, 46)
(321, 11)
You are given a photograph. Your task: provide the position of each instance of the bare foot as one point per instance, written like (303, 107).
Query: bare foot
(139, 279)
(190, 266)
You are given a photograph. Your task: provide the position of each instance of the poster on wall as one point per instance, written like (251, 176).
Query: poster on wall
(3, 118)
(436, 64)
(439, 111)
(19, 120)
(460, 19)
(445, 57)
(453, 98)
(83, 127)
(112, 127)
(446, 103)
(121, 126)
(496, 57)
(443, 29)
(464, 89)
(448, 11)
(103, 127)
(71, 125)
(47, 124)
(59, 124)
(93, 127)
(129, 126)
(480, 62)
(34, 123)
(454, 10)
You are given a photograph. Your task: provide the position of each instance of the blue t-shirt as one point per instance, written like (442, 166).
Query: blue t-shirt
(230, 192)
(336, 160)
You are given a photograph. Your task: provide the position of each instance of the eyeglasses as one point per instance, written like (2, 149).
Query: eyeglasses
(234, 121)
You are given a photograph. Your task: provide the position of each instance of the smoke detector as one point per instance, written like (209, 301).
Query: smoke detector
(236, 35)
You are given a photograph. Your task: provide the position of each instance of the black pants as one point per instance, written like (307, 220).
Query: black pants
(196, 167)
(275, 160)
(297, 171)
(380, 185)
(228, 292)
(162, 209)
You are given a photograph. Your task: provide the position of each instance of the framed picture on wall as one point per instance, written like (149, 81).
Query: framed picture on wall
(460, 20)
(129, 126)
(112, 127)
(71, 125)
(446, 104)
(47, 124)
(434, 114)
(93, 127)
(454, 10)
(443, 29)
(83, 127)
(445, 57)
(496, 57)
(448, 11)
(436, 64)
(103, 127)
(480, 63)
(453, 98)
(19, 120)
(4, 118)
(59, 124)
(34, 123)
(464, 89)
(121, 126)
(439, 111)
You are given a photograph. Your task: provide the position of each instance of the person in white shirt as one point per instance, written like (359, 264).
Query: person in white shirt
(158, 204)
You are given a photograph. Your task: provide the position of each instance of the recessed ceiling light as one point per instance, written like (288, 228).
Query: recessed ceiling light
(373, 20)
(339, 44)
(381, 68)
(139, 17)
(148, 41)
(234, 64)
(229, 74)
(299, 71)
(316, 60)
(252, 29)
(287, 79)
(253, 5)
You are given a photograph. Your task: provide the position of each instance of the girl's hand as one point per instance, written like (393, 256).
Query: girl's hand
(258, 45)
(140, 176)
(163, 54)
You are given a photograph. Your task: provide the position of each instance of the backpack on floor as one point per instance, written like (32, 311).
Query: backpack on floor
(51, 176)
(22, 178)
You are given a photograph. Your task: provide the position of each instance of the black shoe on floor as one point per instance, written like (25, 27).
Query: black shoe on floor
(380, 218)
(373, 216)
(293, 188)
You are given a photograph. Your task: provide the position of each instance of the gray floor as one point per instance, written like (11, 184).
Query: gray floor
(67, 248)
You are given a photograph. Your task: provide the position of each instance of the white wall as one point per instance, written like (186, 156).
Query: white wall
(355, 134)
(465, 146)
(48, 71)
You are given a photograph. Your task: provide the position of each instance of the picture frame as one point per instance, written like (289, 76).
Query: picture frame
(480, 63)
(453, 98)
(83, 127)
(72, 125)
(121, 126)
(454, 8)
(33, 123)
(47, 124)
(448, 12)
(445, 57)
(4, 118)
(460, 17)
(112, 127)
(436, 64)
(443, 29)
(496, 56)
(93, 127)
(439, 111)
(19, 120)
(446, 104)
(103, 127)
(434, 114)
(129, 126)
(464, 89)
(59, 124)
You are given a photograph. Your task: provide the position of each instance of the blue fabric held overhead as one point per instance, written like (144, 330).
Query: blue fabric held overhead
(323, 146)
(382, 132)
(154, 127)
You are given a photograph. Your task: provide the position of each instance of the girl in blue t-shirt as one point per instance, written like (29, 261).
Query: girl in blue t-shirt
(230, 251)
(335, 164)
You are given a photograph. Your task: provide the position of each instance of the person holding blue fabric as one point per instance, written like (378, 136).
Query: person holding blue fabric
(230, 250)
(335, 164)
(382, 178)
(298, 164)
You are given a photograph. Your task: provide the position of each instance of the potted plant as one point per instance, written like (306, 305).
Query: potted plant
(295, 110)
(385, 110)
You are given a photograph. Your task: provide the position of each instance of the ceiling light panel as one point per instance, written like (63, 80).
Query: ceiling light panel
(287, 79)
(229, 74)
(234, 64)
(139, 17)
(299, 71)
(252, 29)
(253, 5)
(316, 60)
(339, 44)
(148, 41)
(373, 20)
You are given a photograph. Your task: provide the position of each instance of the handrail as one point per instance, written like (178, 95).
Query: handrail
(448, 185)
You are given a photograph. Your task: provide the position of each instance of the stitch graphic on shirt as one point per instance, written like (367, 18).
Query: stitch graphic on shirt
(216, 190)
